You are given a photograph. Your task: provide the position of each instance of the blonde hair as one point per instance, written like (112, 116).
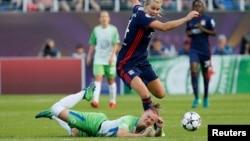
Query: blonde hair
(148, 2)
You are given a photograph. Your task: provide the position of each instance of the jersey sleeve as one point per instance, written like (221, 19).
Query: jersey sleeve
(124, 124)
(211, 24)
(128, 123)
(92, 39)
(142, 19)
(136, 8)
(116, 39)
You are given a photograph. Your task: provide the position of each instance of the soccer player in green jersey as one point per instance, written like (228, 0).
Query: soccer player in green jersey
(104, 42)
(91, 124)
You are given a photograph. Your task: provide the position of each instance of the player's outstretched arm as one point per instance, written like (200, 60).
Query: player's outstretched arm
(135, 2)
(166, 26)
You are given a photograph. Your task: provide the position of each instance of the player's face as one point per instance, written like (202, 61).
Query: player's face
(104, 18)
(149, 118)
(51, 44)
(80, 50)
(198, 6)
(222, 43)
(153, 9)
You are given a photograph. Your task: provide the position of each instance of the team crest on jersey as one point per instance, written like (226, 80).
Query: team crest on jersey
(151, 34)
(131, 72)
(73, 121)
(104, 44)
(203, 22)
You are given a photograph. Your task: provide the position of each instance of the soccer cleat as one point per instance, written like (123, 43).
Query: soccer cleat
(44, 114)
(94, 104)
(205, 103)
(89, 91)
(112, 105)
(196, 103)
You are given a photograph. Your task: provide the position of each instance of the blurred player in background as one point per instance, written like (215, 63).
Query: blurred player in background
(90, 124)
(104, 41)
(132, 64)
(199, 29)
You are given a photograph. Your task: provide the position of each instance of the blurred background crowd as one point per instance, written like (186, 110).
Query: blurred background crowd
(114, 5)
(62, 28)
(159, 46)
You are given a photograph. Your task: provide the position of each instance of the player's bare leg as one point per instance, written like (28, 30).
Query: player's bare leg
(70, 101)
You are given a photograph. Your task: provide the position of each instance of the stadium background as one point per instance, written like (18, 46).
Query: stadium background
(25, 76)
(22, 35)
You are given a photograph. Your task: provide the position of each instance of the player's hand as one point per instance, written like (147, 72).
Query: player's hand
(192, 15)
(148, 131)
(110, 61)
(151, 133)
(200, 27)
(160, 122)
(189, 33)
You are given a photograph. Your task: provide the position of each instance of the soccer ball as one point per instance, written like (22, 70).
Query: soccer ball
(191, 121)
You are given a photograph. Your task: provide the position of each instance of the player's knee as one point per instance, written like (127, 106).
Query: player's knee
(56, 109)
(160, 95)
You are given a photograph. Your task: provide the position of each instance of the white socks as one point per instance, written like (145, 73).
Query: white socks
(67, 102)
(63, 124)
(112, 93)
(97, 91)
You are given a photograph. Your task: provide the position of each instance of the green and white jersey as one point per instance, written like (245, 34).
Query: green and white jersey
(109, 128)
(104, 40)
(87, 122)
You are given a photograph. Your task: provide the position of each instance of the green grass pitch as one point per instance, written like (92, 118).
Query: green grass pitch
(17, 113)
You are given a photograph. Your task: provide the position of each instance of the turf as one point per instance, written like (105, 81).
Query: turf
(17, 113)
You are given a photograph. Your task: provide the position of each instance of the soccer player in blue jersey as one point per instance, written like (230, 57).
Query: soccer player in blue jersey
(91, 124)
(199, 29)
(132, 64)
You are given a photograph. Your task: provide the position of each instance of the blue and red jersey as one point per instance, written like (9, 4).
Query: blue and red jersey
(200, 40)
(136, 39)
